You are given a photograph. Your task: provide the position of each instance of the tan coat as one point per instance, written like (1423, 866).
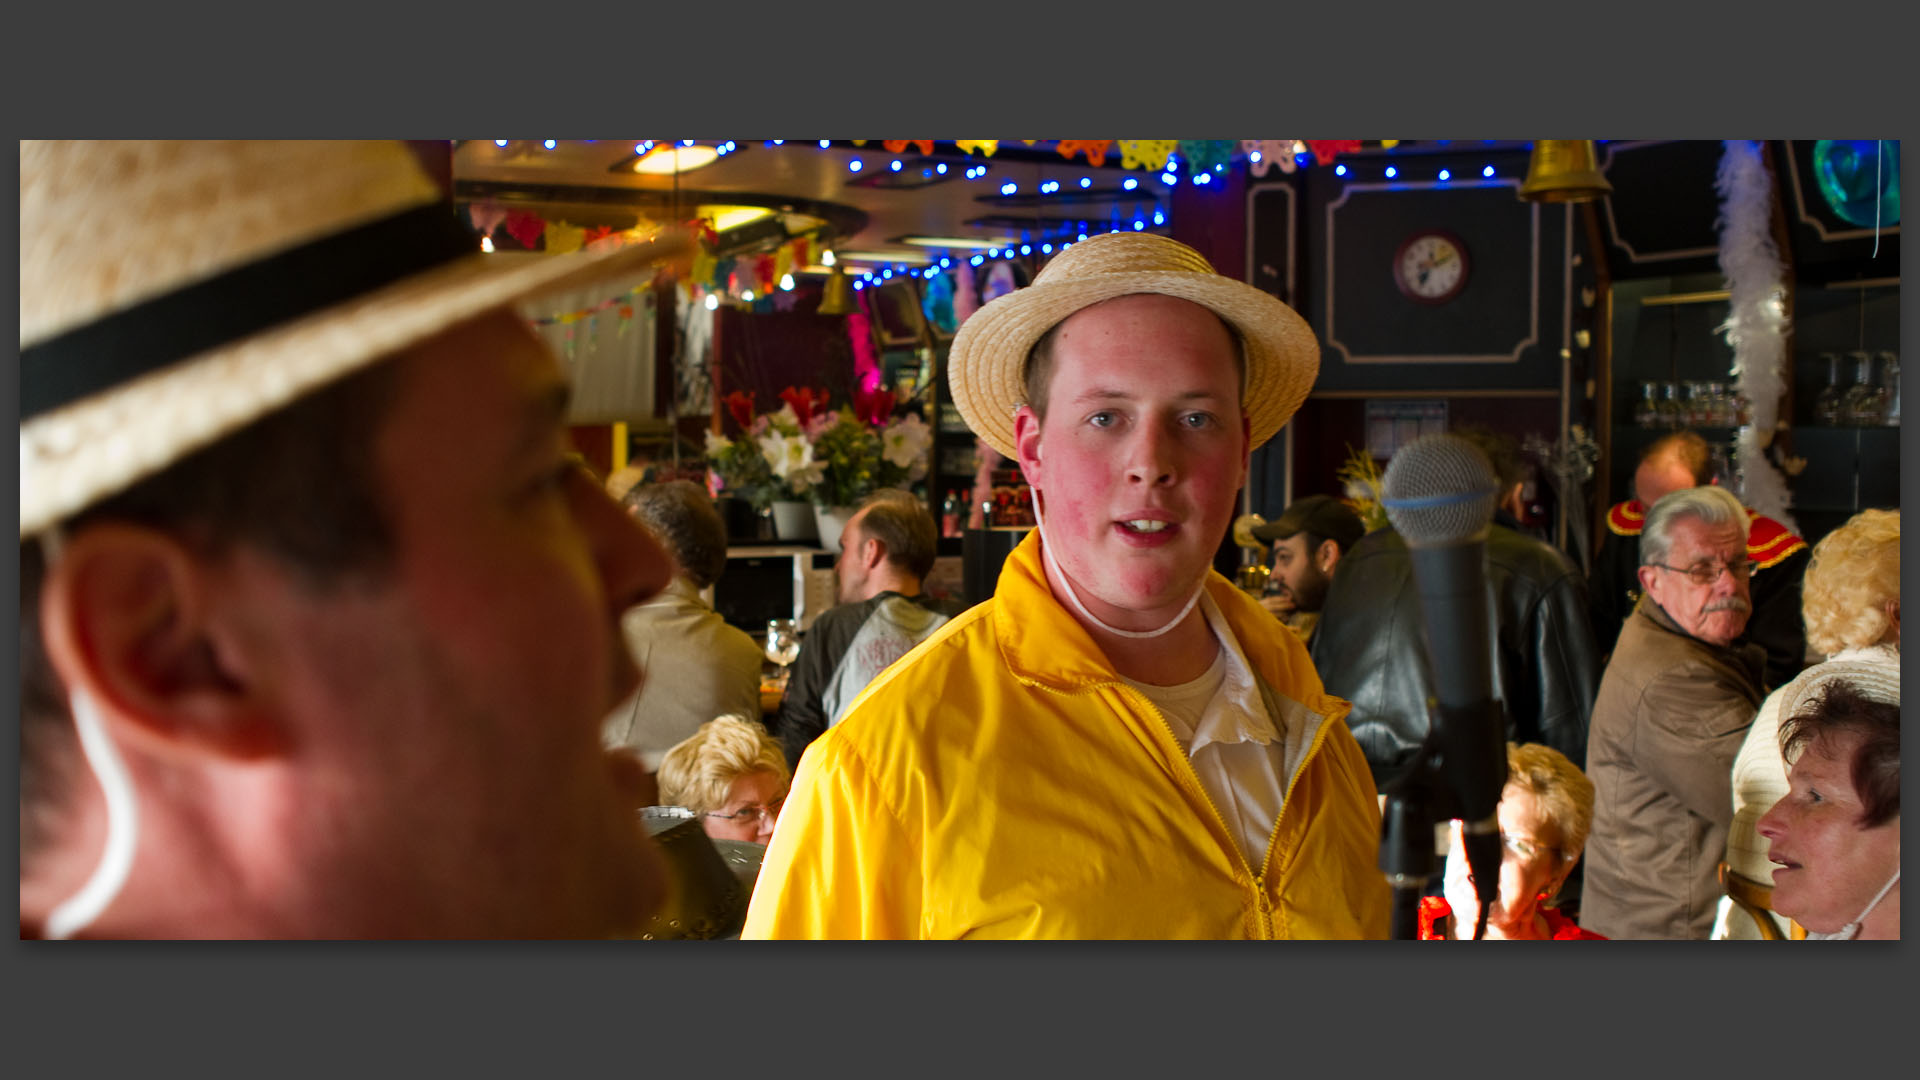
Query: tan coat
(1668, 722)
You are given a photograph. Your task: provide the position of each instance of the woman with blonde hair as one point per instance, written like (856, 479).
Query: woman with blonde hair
(1851, 603)
(1545, 813)
(733, 774)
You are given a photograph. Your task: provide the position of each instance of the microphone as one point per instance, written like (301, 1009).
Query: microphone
(1440, 492)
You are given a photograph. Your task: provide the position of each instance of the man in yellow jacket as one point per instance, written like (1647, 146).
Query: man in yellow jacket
(1120, 744)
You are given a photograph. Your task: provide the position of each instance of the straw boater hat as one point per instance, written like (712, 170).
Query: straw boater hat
(173, 292)
(989, 352)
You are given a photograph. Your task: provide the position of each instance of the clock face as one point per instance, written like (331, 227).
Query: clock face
(1431, 267)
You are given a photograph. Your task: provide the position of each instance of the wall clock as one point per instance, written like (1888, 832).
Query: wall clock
(1431, 266)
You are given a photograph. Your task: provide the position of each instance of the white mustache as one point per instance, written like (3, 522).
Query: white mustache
(1727, 603)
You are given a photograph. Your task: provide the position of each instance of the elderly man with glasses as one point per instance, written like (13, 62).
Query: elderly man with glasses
(1674, 706)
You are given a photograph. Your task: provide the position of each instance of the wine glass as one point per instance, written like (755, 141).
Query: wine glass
(783, 644)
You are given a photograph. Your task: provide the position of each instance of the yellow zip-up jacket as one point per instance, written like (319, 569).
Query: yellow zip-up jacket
(1000, 781)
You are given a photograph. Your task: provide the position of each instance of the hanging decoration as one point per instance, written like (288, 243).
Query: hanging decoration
(1204, 154)
(1325, 150)
(1272, 152)
(563, 239)
(1094, 149)
(486, 216)
(985, 146)
(1756, 324)
(965, 300)
(526, 227)
(1146, 153)
(895, 146)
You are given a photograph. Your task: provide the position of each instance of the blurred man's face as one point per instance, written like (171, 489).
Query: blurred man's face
(1715, 613)
(1141, 456)
(1659, 478)
(446, 776)
(1299, 574)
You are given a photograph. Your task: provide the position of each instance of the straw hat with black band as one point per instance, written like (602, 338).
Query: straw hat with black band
(173, 292)
(987, 361)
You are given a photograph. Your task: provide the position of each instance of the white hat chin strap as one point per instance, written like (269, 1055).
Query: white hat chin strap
(1046, 552)
(79, 911)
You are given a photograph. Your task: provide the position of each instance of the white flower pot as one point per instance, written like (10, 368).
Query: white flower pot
(793, 521)
(830, 520)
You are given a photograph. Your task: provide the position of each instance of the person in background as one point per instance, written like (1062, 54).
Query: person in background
(1119, 743)
(702, 667)
(295, 661)
(1835, 837)
(1308, 539)
(733, 774)
(1369, 646)
(1851, 600)
(886, 551)
(1674, 462)
(1674, 705)
(1545, 812)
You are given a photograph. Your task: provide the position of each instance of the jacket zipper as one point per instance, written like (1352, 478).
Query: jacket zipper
(1258, 877)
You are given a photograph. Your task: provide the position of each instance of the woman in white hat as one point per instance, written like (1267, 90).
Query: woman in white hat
(1851, 601)
(1835, 837)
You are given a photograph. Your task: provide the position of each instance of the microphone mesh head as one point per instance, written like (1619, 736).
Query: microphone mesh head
(1439, 489)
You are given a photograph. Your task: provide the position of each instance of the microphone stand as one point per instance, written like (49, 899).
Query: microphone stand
(1426, 795)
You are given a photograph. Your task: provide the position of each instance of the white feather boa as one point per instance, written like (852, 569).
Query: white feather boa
(1756, 326)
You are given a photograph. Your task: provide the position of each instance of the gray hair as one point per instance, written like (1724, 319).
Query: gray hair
(1711, 506)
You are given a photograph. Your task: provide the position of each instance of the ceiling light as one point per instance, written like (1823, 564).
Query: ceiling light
(666, 161)
(732, 217)
(919, 257)
(954, 242)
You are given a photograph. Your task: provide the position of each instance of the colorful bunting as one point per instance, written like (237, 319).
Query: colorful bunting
(563, 238)
(1204, 154)
(1272, 152)
(895, 146)
(1325, 150)
(1146, 153)
(1095, 149)
(985, 146)
(525, 227)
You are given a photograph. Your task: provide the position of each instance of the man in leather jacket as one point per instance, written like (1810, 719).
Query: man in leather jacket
(1370, 650)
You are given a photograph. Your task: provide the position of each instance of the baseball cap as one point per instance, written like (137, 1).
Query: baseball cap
(1321, 515)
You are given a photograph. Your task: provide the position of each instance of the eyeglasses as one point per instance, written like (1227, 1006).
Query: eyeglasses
(751, 815)
(1526, 849)
(1706, 573)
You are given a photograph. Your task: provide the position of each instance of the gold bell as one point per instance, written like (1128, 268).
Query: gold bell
(837, 297)
(1563, 170)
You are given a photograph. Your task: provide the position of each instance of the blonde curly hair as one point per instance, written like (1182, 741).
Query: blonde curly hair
(1563, 792)
(698, 772)
(1854, 572)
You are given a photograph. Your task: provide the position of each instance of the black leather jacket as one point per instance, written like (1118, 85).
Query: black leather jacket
(1370, 647)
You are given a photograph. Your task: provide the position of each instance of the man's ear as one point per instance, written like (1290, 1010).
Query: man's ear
(127, 615)
(1328, 555)
(1026, 443)
(1647, 576)
(872, 553)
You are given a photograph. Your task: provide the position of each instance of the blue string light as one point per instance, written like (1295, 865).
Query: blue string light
(977, 260)
(824, 143)
(854, 165)
(1086, 181)
(1339, 170)
(1488, 171)
(1392, 172)
(548, 144)
(1203, 178)
(1445, 175)
(941, 168)
(894, 165)
(500, 142)
(1130, 183)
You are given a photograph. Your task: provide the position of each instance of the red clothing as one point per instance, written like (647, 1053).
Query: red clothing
(1434, 911)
